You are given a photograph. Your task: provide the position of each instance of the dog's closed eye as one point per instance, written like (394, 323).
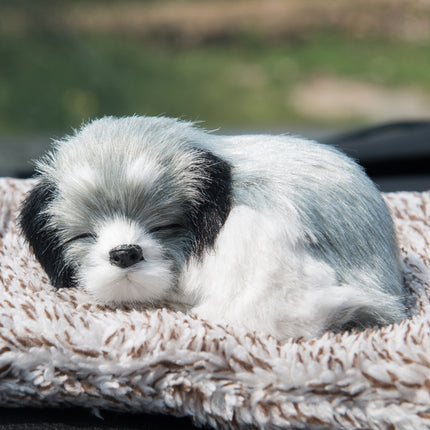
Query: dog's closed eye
(166, 228)
(82, 236)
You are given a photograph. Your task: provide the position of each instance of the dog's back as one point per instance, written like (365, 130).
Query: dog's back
(344, 219)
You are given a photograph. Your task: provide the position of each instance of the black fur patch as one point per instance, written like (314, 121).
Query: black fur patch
(207, 218)
(43, 239)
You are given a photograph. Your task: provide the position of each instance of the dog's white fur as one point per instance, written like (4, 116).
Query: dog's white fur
(308, 244)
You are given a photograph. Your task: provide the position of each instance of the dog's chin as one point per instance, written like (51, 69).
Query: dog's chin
(109, 286)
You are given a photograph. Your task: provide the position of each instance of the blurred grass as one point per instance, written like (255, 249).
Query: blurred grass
(52, 81)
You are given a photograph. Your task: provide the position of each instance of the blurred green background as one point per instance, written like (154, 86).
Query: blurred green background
(235, 65)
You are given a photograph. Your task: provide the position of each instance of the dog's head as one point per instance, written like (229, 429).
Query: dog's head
(122, 205)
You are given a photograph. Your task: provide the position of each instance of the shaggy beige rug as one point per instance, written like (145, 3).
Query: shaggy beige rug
(56, 349)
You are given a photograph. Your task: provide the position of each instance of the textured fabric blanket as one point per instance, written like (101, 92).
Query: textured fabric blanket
(56, 350)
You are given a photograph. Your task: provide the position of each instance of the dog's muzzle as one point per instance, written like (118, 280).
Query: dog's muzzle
(125, 255)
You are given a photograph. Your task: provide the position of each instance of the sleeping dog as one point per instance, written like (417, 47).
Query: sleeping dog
(272, 233)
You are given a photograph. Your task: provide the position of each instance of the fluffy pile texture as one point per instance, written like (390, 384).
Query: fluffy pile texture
(56, 350)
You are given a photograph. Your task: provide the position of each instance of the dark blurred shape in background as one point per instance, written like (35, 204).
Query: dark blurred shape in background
(308, 67)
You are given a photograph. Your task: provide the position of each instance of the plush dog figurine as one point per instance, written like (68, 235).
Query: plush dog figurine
(272, 233)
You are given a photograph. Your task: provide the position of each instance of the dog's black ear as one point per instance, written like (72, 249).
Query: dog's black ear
(208, 216)
(35, 224)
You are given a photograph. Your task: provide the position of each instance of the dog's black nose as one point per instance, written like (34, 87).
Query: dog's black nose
(125, 255)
